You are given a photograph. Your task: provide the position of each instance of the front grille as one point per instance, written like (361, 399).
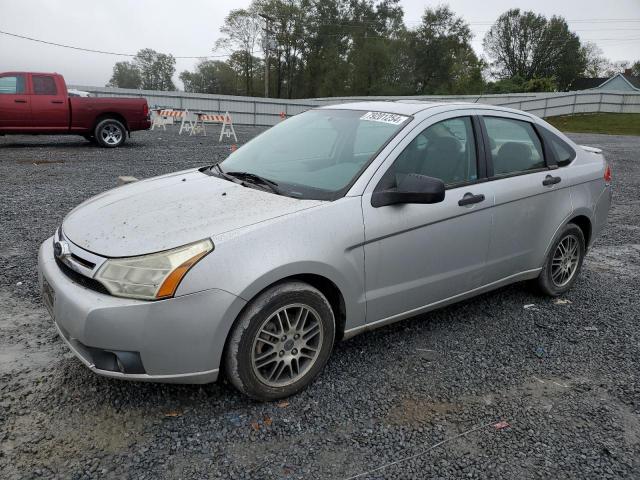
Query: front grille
(80, 279)
(83, 262)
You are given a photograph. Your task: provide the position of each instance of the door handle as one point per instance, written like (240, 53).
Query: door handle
(549, 180)
(20, 100)
(57, 101)
(470, 199)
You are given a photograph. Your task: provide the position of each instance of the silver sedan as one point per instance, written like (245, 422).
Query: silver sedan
(339, 220)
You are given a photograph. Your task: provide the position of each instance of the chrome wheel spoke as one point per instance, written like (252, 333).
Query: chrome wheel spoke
(277, 371)
(265, 358)
(311, 333)
(564, 262)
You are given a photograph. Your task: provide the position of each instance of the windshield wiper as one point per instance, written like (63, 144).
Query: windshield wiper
(255, 179)
(222, 173)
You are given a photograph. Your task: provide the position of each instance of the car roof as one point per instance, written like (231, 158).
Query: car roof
(412, 107)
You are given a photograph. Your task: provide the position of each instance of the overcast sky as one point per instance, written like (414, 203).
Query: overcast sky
(191, 27)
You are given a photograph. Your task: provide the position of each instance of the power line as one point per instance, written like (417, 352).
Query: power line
(90, 50)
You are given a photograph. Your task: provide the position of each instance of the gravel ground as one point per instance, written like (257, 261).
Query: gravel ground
(563, 374)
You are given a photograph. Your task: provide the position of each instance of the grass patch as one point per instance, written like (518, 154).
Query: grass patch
(608, 123)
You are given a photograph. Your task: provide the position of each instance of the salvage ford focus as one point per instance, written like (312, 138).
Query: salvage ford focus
(333, 222)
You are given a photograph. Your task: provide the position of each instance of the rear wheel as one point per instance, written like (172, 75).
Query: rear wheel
(110, 133)
(281, 342)
(563, 262)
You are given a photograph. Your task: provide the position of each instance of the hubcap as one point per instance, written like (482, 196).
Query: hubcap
(565, 261)
(287, 345)
(111, 134)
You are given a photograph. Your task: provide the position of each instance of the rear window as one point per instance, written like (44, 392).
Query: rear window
(12, 85)
(44, 85)
(563, 152)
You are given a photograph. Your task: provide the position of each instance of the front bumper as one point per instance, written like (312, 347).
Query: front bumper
(178, 340)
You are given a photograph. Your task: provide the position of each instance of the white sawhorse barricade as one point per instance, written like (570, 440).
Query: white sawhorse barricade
(161, 118)
(227, 125)
(194, 123)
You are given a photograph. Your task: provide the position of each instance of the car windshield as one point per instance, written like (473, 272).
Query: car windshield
(316, 154)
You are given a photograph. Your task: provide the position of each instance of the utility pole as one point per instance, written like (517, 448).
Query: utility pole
(266, 46)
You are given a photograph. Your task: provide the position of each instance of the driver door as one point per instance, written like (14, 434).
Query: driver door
(418, 255)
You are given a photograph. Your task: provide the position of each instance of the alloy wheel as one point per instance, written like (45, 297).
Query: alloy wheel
(111, 134)
(287, 345)
(565, 260)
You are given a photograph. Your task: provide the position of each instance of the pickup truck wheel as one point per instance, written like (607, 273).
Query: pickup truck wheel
(110, 133)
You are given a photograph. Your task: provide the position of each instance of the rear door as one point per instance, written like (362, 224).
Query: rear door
(49, 103)
(531, 198)
(15, 107)
(417, 255)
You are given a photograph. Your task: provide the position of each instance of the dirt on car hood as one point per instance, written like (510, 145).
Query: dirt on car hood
(169, 211)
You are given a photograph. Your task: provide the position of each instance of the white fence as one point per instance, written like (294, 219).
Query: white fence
(267, 112)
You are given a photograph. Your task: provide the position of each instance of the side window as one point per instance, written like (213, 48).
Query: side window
(563, 152)
(445, 150)
(44, 85)
(12, 85)
(515, 146)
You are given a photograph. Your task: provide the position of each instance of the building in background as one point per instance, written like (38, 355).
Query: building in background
(622, 82)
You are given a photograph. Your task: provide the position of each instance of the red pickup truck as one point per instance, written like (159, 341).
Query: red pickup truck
(38, 103)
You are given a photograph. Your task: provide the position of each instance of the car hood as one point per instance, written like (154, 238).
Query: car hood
(169, 211)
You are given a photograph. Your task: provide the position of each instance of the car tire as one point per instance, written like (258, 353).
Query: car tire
(110, 133)
(280, 342)
(563, 262)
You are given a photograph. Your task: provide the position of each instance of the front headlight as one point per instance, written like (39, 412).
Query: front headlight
(154, 276)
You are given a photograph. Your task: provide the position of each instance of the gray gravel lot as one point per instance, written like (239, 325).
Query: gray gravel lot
(564, 375)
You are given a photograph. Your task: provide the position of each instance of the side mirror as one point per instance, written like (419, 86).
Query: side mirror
(413, 188)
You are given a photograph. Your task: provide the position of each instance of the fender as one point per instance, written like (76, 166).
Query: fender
(354, 298)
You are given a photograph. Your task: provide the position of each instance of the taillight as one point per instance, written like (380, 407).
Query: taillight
(145, 109)
(607, 174)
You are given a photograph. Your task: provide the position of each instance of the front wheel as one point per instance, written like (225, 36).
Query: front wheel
(563, 263)
(110, 133)
(281, 341)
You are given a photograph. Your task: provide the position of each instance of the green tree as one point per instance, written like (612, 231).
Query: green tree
(156, 69)
(443, 61)
(375, 27)
(243, 30)
(530, 45)
(538, 84)
(210, 77)
(326, 48)
(288, 31)
(125, 75)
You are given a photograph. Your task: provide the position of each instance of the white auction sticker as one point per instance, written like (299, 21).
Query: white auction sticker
(383, 117)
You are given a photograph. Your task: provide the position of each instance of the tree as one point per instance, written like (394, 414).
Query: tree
(210, 77)
(243, 30)
(289, 34)
(529, 45)
(614, 68)
(443, 60)
(156, 69)
(125, 75)
(377, 27)
(635, 68)
(595, 63)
